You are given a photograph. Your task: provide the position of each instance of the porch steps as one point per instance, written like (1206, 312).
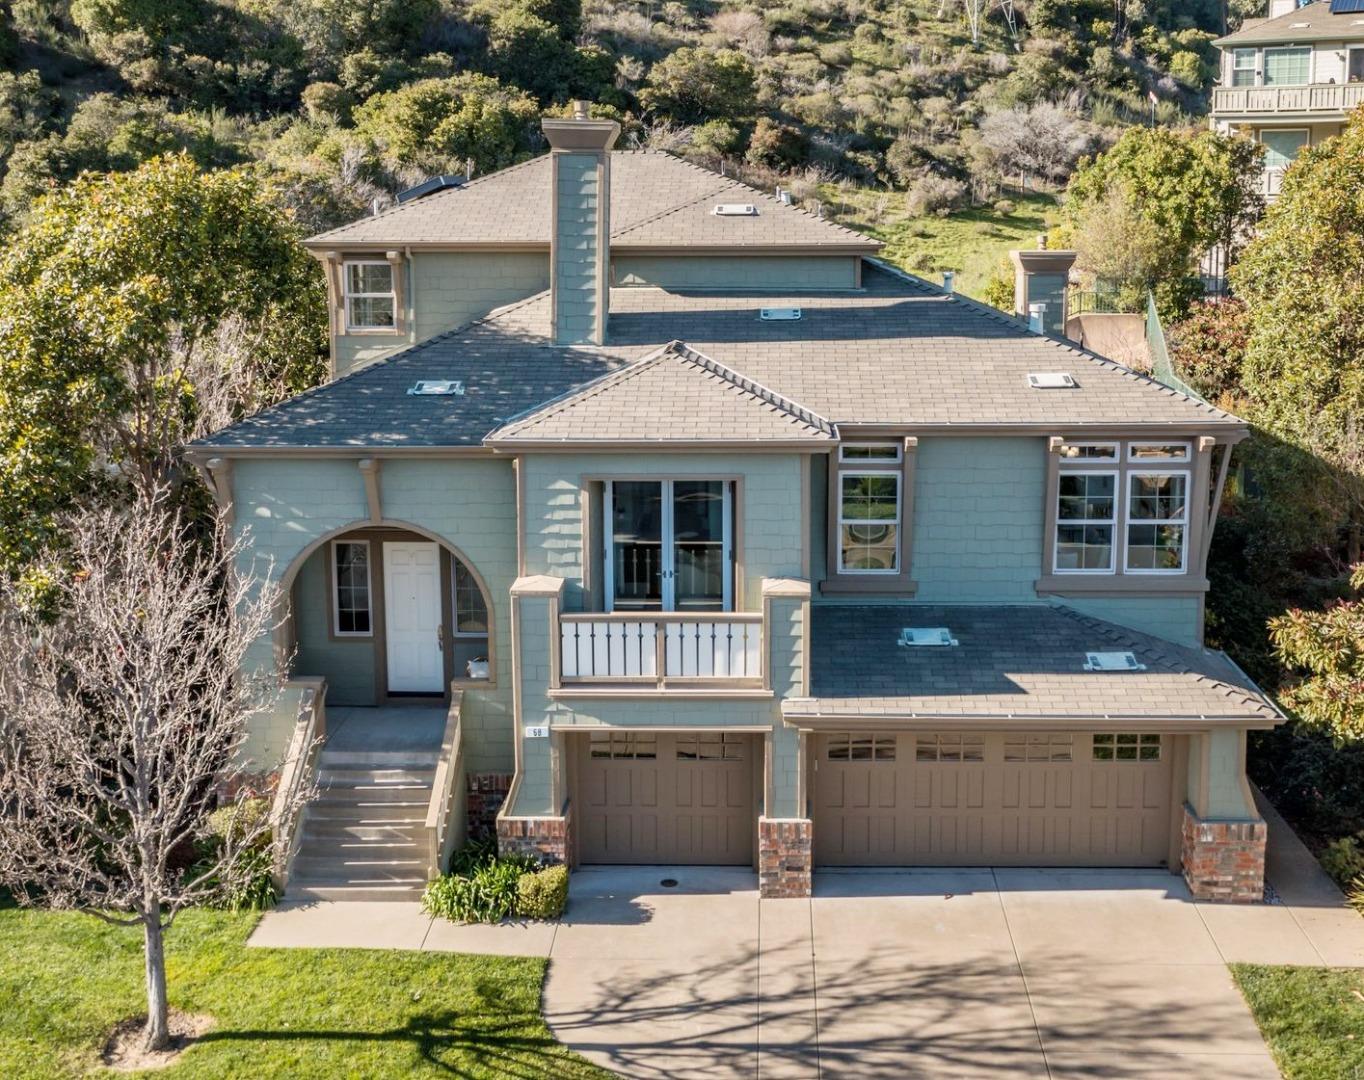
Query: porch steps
(364, 836)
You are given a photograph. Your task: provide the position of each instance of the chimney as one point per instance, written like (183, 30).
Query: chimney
(1040, 278)
(579, 245)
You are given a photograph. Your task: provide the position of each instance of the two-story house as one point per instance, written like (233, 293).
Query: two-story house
(712, 539)
(1289, 81)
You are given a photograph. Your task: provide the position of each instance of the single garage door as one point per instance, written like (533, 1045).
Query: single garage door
(969, 798)
(651, 797)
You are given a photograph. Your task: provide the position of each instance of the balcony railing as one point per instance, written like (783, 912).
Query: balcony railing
(1324, 98)
(662, 648)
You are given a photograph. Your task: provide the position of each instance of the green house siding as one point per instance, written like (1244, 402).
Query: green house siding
(770, 533)
(348, 663)
(736, 271)
(446, 290)
(1174, 618)
(288, 506)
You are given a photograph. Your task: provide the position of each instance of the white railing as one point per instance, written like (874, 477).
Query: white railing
(296, 776)
(661, 647)
(445, 817)
(1313, 98)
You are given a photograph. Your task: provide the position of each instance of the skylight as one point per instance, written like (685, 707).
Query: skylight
(733, 209)
(779, 314)
(1112, 661)
(917, 636)
(1051, 380)
(437, 388)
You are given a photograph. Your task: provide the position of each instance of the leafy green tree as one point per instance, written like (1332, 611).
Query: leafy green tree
(1193, 189)
(1208, 348)
(1324, 652)
(114, 300)
(1303, 279)
(436, 123)
(696, 84)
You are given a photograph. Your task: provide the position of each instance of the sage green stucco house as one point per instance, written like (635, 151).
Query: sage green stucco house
(661, 520)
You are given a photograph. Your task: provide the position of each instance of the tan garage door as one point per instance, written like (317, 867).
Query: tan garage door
(646, 797)
(964, 799)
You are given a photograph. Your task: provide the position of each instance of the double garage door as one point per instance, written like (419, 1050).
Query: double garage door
(968, 798)
(655, 797)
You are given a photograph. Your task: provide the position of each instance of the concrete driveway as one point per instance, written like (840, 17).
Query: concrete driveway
(931, 973)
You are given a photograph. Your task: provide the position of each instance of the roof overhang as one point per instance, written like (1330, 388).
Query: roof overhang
(199, 453)
(807, 715)
(331, 248)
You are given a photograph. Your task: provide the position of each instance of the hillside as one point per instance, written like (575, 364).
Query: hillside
(895, 106)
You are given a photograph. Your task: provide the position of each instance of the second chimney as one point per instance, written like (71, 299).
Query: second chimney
(580, 225)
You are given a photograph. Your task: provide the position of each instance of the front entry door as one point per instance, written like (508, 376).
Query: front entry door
(412, 614)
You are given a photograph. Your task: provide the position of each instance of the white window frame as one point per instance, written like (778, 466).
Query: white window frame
(899, 477)
(1306, 142)
(1350, 53)
(669, 544)
(1254, 55)
(347, 296)
(1112, 522)
(1078, 462)
(1151, 463)
(336, 590)
(1182, 521)
(1311, 63)
(455, 564)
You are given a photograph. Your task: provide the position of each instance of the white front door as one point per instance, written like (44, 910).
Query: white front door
(412, 612)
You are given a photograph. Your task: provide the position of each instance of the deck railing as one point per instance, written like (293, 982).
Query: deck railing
(1278, 100)
(298, 774)
(445, 816)
(661, 647)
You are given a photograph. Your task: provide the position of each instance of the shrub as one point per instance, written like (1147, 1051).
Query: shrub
(1355, 894)
(931, 194)
(542, 894)
(487, 894)
(257, 891)
(1208, 346)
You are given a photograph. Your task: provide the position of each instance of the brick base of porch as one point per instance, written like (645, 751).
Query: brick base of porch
(1224, 860)
(550, 839)
(785, 857)
(485, 796)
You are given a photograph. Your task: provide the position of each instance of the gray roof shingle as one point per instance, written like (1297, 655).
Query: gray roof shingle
(897, 352)
(1313, 22)
(1013, 662)
(657, 201)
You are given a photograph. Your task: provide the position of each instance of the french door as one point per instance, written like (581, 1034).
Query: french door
(669, 545)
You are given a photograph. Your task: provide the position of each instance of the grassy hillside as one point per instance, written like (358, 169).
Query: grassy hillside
(346, 103)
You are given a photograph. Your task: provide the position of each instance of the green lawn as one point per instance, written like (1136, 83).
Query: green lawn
(972, 242)
(1312, 1018)
(65, 980)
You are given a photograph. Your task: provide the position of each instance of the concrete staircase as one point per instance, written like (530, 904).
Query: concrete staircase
(364, 836)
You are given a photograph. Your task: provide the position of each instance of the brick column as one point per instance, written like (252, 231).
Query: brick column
(1224, 860)
(785, 857)
(485, 795)
(550, 839)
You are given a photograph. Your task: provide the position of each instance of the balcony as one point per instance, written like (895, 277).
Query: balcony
(662, 650)
(1324, 100)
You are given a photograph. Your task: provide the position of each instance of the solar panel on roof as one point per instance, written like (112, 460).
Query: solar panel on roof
(1346, 7)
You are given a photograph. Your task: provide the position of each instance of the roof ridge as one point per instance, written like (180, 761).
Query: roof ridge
(1122, 635)
(991, 312)
(670, 210)
(444, 192)
(765, 393)
(591, 389)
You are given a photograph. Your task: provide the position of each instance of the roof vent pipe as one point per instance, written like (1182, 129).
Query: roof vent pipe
(948, 281)
(1035, 313)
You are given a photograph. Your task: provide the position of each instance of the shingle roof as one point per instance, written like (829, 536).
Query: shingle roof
(1013, 662)
(657, 200)
(1314, 22)
(898, 352)
(677, 395)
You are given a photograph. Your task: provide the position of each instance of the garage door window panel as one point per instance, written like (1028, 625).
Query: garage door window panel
(1050, 747)
(1126, 746)
(855, 747)
(624, 745)
(960, 749)
(711, 746)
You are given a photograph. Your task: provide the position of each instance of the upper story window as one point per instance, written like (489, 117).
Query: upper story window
(1354, 68)
(869, 500)
(1243, 67)
(1122, 512)
(371, 300)
(1289, 65)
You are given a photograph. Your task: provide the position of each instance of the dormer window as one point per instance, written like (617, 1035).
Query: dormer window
(371, 302)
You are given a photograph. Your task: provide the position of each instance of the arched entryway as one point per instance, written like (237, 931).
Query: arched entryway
(387, 612)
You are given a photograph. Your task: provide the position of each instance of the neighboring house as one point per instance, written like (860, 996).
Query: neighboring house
(724, 542)
(1290, 81)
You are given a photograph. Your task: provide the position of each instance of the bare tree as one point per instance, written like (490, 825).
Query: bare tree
(122, 719)
(1039, 141)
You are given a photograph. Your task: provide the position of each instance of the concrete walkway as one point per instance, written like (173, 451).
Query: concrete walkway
(922, 973)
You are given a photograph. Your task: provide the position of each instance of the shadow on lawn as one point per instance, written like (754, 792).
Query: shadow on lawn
(439, 1037)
